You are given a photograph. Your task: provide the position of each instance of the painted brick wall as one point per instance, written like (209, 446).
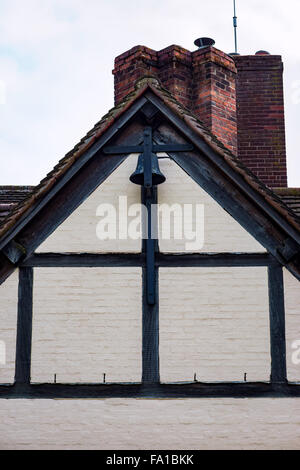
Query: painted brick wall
(221, 232)
(292, 311)
(150, 424)
(78, 232)
(87, 322)
(215, 323)
(144, 424)
(8, 322)
(129, 423)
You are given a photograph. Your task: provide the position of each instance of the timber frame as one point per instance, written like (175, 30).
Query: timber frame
(150, 385)
(205, 165)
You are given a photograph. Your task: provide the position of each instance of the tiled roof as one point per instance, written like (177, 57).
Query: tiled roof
(144, 84)
(291, 197)
(10, 197)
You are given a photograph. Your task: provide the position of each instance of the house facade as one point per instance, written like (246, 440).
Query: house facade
(150, 283)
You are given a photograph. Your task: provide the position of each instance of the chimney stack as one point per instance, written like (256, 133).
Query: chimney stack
(260, 116)
(239, 98)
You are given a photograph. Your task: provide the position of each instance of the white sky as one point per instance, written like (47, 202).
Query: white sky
(56, 58)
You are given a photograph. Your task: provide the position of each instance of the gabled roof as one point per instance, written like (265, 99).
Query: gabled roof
(291, 197)
(10, 197)
(149, 88)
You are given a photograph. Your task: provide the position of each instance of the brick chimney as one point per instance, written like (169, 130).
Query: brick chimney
(260, 116)
(239, 98)
(203, 81)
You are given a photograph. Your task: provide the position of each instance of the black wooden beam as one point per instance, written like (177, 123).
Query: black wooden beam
(184, 390)
(24, 326)
(48, 260)
(277, 324)
(150, 341)
(111, 150)
(150, 319)
(213, 259)
(88, 260)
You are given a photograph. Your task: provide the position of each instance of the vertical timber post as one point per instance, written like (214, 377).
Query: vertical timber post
(277, 324)
(24, 326)
(150, 348)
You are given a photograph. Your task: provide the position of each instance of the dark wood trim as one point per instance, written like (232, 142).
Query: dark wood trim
(166, 260)
(88, 260)
(277, 324)
(24, 326)
(150, 341)
(150, 338)
(184, 390)
(163, 260)
(111, 150)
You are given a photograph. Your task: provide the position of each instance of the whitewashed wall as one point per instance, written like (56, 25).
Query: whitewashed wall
(221, 232)
(8, 325)
(87, 322)
(73, 308)
(150, 424)
(292, 312)
(215, 323)
(78, 232)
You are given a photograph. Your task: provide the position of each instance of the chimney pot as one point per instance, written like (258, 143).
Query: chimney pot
(204, 42)
(262, 53)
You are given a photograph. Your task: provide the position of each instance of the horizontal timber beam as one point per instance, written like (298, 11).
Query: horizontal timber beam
(214, 259)
(184, 390)
(140, 148)
(89, 260)
(138, 259)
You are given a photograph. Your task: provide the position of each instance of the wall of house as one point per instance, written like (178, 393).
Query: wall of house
(78, 232)
(221, 232)
(292, 312)
(100, 309)
(87, 322)
(150, 424)
(8, 324)
(214, 323)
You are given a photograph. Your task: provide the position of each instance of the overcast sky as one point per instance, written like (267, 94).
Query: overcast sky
(56, 58)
